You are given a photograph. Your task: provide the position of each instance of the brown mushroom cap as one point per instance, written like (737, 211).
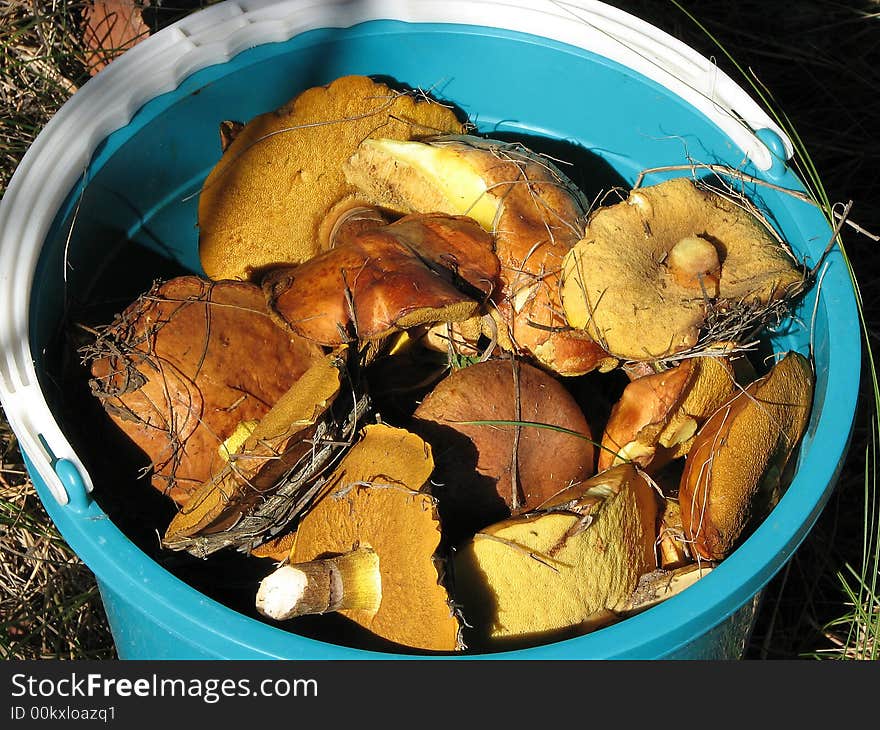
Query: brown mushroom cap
(264, 203)
(532, 209)
(661, 412)
(560, 571)
(646, 273)
(374, 502)
(485, 470)
(178, 370)
(277, 442)
(419, 269)
(733, 470)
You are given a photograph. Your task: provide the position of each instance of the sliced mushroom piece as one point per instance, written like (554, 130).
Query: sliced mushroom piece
(562, 570)
(649, 270)
(368, 549)
(178, 370)
(531, 207)
(658, 415)
(507, 437)
(268, 199)
(279, 440)
(420, 269)
(733, 470)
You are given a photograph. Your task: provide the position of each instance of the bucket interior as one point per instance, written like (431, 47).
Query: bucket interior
(133, 219)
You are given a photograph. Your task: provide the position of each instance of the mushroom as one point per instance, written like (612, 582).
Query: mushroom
(650, 270)
(178, 370)
(507, 437)
(457, 339)
(561, 570)
(733, 471)
(672, 545)
(378, 280)
(268, 200)
(368, 548)
(532, 209)
(275, 444)
(657, 415)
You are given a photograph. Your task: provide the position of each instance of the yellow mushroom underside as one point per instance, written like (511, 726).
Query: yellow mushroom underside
(618, 287)
(538, 575)
(371, 503)
(741, 451)
(712, 385)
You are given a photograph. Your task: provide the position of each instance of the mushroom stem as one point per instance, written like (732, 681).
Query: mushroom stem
(694, 264)
(672, 547)
(349, 581)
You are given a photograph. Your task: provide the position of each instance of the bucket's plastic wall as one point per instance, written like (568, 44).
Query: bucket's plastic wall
(140, 194)
(136, 637)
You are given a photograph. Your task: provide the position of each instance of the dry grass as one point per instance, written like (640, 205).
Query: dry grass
(49, 602)
(49, 606)
(38, 72)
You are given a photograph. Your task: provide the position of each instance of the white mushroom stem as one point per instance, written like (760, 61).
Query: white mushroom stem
(349, 581)
(694, 263)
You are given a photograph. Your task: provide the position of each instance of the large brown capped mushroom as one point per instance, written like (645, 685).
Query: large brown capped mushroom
(562, 570)
(532, 209)
(732, 473)
(368, 548)
(486, 464)
(274, 195)
(420, 269)
(184, 364)
(649, 270)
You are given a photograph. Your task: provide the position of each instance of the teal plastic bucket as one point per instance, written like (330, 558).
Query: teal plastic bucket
(120, 166)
